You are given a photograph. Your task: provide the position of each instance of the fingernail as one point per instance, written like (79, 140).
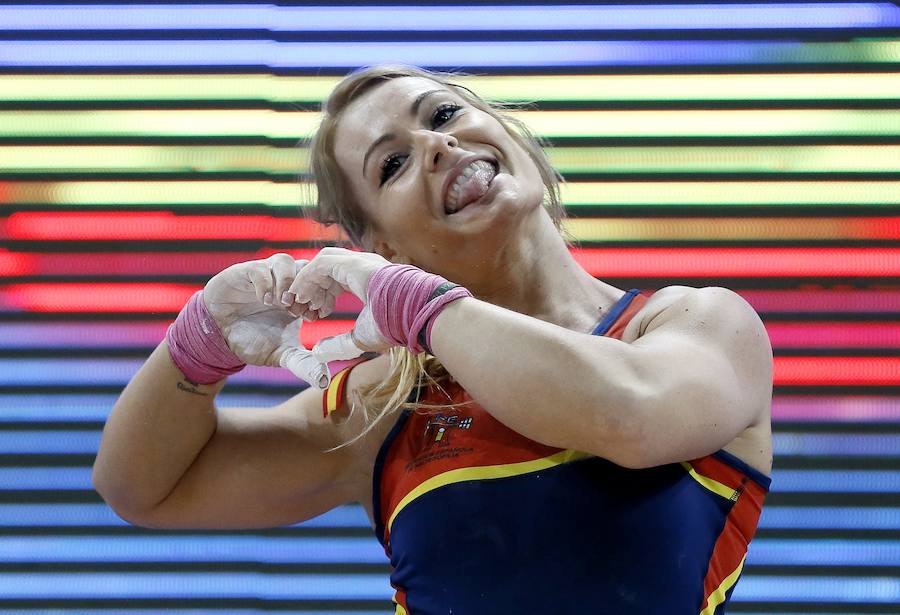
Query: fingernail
(286, 298)
(267, 298)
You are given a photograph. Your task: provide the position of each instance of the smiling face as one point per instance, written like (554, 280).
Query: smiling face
(444, 184)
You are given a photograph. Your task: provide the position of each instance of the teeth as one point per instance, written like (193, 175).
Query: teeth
(453, 193)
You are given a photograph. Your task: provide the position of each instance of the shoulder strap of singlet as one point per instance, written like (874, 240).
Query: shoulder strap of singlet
(620, 306)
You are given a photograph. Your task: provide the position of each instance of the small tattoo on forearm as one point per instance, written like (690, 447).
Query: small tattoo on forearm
(190, 388)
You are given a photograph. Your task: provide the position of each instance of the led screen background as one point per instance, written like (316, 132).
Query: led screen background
(145, 147)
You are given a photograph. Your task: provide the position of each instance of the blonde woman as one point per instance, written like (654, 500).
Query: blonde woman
(524, 437)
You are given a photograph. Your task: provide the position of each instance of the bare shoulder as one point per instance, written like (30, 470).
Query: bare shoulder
(712, 308)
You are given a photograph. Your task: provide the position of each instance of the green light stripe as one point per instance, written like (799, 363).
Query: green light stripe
(176, 193)
(650, 159)
(295, 125)
(273, 88)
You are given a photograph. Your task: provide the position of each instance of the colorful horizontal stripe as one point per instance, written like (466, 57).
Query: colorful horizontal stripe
(165, 225)
(609, 87)
(473, 18)
(238, 194)
(589, 123)
(254, 54)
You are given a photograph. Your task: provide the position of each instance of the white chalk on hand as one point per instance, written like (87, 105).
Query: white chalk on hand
(304, 365)
(339, 347)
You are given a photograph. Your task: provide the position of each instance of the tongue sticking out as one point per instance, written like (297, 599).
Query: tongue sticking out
(475, 187)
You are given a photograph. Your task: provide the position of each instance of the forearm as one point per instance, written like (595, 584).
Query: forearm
(155, 430)
(558, 387)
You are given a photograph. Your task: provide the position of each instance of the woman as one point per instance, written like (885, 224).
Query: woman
(569, 446)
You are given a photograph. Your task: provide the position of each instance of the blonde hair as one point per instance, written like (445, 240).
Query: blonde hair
(335, 204)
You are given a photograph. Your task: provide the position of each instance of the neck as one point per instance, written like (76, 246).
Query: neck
(538, 276)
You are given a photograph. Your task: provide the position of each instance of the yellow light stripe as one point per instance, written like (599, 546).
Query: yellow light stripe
(400, 610)
(294, 160)
(725, 229)
(730, 193)
(718, 596)
(574, 194)
(331, 395)
(766, 86)
(299, 124)
(486, 473)
(713, 485)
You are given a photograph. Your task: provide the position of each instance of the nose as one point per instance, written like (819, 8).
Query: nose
(435, 147)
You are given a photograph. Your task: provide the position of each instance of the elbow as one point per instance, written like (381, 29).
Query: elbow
(119, 500)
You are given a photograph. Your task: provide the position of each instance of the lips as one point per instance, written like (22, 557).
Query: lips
(467, 182)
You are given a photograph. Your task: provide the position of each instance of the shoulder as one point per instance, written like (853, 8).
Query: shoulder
(709, 308)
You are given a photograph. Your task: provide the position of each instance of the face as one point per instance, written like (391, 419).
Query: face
(446, 187)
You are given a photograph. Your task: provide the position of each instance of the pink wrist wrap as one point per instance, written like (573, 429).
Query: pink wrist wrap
(197, 346)
(405, 301)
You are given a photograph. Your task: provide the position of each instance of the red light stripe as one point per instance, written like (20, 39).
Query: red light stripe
(815, 300)
(74, 226)
(74, 297)
(834, 334)
(600, 262)
(837, 371)
(718, 262)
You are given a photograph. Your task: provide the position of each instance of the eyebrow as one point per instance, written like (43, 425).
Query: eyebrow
(413, 112)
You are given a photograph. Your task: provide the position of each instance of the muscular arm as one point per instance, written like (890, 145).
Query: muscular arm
(699, 376)
(169, 458)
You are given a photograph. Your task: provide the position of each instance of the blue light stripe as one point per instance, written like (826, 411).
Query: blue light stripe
(831, 481)
(882, 445)
(116, 372)
(856, 445)
(353, 516)
(446, 54)
(824, 552)
(234, 548)
(294, 549)
(837, 518)
(764, 588)
(94, 407)
(443, 18)
(263, 585)
(82, 335)
(835, 481)
(49, 442)
(101, 515)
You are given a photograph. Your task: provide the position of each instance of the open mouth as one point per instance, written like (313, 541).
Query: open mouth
(470, 185)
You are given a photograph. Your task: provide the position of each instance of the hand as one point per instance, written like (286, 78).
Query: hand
(261, 330)
(327, 276)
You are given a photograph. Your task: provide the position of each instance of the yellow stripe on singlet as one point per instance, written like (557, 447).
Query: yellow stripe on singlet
(486, 473)
(331, 395)
(713, 485)
(718, 596)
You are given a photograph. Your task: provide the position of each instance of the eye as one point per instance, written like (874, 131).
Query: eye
(390, 166)
(444, 114)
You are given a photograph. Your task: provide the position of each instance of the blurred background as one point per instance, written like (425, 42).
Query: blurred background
(145, 147)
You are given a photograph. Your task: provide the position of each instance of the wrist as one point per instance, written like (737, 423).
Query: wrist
(197, 346)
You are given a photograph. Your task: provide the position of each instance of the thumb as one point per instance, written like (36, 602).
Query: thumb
(304, 365)
(336, 348)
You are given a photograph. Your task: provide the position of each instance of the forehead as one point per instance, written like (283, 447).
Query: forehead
(376, 112)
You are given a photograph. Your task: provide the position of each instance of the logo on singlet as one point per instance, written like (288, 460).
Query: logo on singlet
(439, 428)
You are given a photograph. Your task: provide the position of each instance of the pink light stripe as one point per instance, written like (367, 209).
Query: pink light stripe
(600, 262)
(813, 300)
(837, 371)
(834, 334)
(850, 408)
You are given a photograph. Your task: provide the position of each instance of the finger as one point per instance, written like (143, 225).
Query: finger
(336, 348)
(261, 280)
(305, 366)
(284, 269)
